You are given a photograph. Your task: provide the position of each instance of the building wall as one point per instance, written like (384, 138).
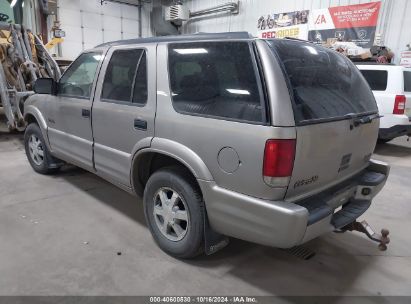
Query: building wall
(394, 22)
(87, 23)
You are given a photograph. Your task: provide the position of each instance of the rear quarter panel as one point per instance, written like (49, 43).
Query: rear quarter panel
(206, 137)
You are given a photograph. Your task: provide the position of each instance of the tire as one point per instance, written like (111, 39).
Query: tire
(41, 162)
(188, 240)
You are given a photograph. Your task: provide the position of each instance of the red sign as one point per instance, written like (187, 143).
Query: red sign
(361, 15)
(354, 23)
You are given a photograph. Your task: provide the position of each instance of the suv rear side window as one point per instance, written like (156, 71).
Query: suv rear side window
(325, 85)
(407, 81)
(376, 79)
(126, 78)
(216, 79)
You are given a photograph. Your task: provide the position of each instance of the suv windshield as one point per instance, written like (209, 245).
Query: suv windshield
(325, 85)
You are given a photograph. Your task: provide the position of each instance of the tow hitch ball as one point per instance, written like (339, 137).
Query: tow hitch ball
(382, 239)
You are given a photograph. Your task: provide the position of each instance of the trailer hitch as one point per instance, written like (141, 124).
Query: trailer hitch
(382, 239)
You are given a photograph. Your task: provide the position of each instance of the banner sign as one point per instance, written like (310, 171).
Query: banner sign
(291, 24)
(406, 59)
(354, 23)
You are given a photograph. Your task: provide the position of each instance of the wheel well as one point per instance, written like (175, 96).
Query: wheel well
(30, 119)
(148, 163)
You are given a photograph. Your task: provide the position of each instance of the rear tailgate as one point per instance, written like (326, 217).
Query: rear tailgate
(332, 155)
(331, 103)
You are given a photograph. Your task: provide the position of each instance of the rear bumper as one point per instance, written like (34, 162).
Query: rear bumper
(283, 224)
(393, 132)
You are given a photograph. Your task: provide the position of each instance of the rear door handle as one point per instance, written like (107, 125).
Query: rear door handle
(140, 124)
(85, 113)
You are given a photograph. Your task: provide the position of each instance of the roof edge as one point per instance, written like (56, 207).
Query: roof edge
(174, 38)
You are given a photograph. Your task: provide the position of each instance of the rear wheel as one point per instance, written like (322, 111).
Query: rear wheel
(36, 150)
(174, 211)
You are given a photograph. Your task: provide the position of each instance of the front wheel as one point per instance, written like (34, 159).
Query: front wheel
(174, 211)
(36, 150)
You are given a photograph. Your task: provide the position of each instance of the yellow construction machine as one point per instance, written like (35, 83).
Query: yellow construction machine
(23, 59)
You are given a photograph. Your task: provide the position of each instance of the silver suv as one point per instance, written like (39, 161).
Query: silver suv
(267, 141)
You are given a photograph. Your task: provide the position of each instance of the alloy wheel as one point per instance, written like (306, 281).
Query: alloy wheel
(36, 150)
(171, 214)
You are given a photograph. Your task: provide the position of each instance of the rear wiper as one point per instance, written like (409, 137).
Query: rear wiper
(365, 119)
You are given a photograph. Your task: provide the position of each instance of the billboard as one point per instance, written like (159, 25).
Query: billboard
(291, 24)
(354, 23)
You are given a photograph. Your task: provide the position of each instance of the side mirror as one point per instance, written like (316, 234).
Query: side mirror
(45, 86)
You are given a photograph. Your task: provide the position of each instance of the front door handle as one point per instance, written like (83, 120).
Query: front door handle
(85, 113)
(140, 124)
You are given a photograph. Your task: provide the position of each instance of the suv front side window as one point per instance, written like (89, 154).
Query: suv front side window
(77, 81)
(216, 79)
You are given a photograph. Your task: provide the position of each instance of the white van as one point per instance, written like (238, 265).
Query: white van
(391, 85)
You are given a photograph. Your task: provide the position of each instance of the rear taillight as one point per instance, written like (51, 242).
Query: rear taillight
(279, 157)
(399, 106)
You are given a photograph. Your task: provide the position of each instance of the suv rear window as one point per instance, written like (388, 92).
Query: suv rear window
(325, 85)
(407, 81)
(216, 79)
(376, 79)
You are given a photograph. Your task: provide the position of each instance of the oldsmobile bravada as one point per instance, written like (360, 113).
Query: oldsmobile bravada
(268, 141)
